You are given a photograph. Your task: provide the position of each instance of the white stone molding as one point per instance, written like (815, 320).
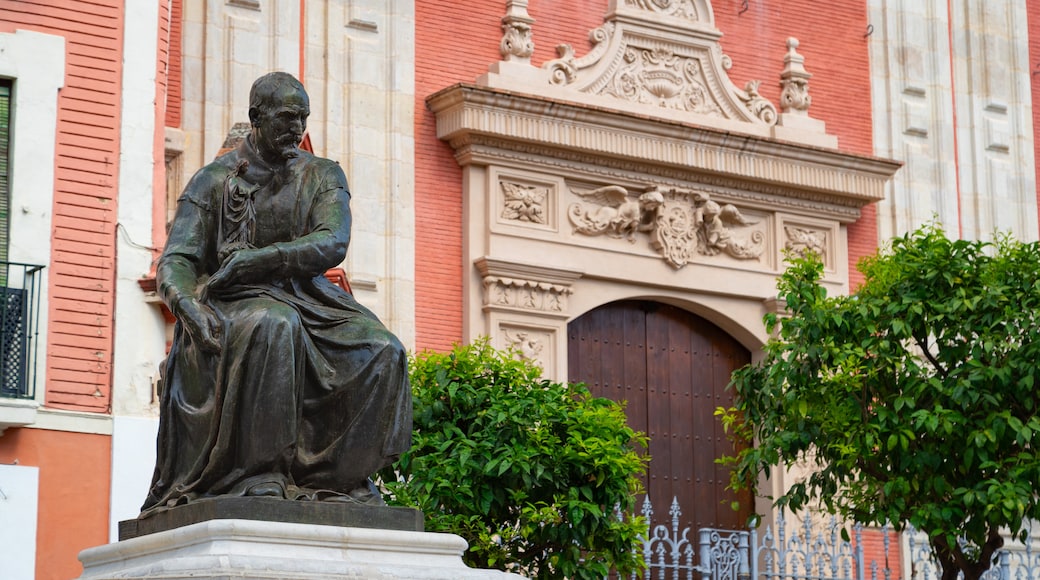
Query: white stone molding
(512, 286)
(799, 234)
(523, 201)
(491, 126)
(521, 294)
(612, 211)
(528, 345)
(526, 307)
(258, 549)
(958, 113)
(994, 119)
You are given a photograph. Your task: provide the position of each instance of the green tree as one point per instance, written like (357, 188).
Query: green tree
(534, 474)
(916, 397)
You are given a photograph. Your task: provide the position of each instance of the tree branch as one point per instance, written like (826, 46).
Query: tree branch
(922, 343)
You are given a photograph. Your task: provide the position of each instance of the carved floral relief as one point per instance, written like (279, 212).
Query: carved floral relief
(516, 40)
(679, 223)
(525, 294)
(801, 241)
(517, 43)
(794, 81)
(524, 203)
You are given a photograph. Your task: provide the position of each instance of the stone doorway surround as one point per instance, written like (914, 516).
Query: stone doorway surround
(640, 171)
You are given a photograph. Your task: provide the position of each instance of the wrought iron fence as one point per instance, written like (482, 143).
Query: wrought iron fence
(19, 328)
(805, 548)
(1015, 561)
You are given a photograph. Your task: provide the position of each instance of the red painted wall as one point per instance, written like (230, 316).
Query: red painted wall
(174, 60)
(73, 496)
(81, 274)
(455, 42)
(1033, 17)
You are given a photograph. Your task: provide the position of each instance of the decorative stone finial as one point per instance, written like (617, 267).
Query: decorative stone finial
(794, 81)
(517, 44)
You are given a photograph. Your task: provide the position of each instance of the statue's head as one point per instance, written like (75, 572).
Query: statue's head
(278, 110)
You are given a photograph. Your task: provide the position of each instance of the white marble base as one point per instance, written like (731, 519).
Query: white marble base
(240, 549)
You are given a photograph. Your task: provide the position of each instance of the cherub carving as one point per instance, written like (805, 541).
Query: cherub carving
(713, 237)
(679, 222)
(617, 214)
(529, 347)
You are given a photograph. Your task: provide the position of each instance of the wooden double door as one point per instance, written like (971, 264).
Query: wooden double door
(671, 367)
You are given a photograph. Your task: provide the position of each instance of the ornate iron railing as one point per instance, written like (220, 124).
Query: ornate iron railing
(1015, 561)
(807, 548)
(20, 286)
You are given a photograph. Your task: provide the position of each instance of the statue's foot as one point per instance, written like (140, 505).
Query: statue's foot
(366, 494)
(268, 489)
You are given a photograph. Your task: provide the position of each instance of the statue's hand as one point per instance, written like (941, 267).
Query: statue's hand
(201, 323)
(245, 266)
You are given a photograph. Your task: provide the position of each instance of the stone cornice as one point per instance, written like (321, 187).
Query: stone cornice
(469, 115)
(526, 288)
(501, 268)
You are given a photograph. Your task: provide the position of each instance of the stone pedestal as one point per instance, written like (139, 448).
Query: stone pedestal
(238, 549)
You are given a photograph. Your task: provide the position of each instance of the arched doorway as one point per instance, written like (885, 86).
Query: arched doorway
(672, 368)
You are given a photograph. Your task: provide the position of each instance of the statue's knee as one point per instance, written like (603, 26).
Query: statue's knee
(391, 346)
(282, 317)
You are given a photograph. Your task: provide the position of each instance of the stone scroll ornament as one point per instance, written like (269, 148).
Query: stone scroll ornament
(631, 61)
(679, 223)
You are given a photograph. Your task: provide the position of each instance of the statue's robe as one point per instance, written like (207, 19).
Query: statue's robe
(309, 390)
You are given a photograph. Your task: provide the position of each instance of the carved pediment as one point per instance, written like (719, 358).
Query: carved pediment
(659, 57)
(633, 62)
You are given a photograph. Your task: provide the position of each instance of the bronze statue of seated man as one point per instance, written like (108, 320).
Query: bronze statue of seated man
(278, 383)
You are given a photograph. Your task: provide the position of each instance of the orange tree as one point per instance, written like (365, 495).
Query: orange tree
(534, 474)
(916, 396)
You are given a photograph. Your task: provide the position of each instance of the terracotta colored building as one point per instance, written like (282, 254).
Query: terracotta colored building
(608, 185)
(80, 91)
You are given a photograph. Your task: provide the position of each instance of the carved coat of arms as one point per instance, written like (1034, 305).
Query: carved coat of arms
(680, 223)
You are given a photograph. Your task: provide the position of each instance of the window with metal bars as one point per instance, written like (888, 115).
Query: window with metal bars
(19, 283)
(6, 86)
